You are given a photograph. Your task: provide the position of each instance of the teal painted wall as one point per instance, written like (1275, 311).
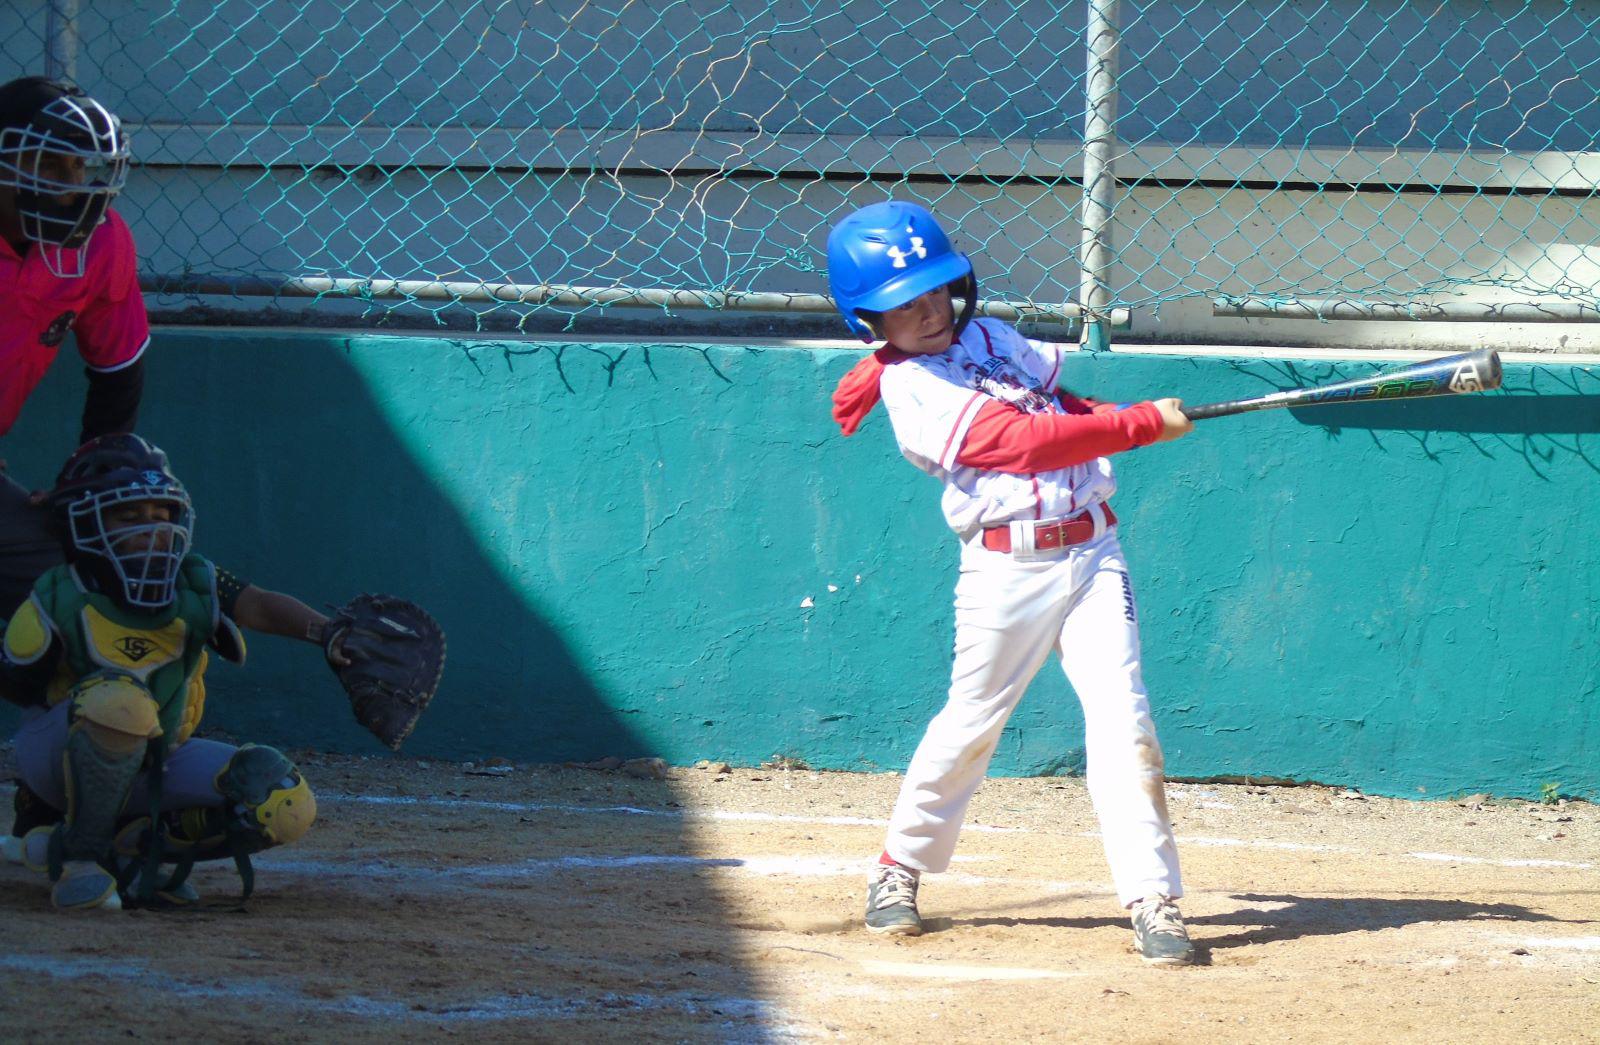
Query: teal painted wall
(668, 550)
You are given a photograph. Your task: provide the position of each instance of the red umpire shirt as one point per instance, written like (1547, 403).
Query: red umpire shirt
(102, 307)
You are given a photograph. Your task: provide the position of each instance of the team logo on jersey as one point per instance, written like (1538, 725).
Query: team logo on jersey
(56, 332)
(900, 256)
(996, 377)
(135, 647)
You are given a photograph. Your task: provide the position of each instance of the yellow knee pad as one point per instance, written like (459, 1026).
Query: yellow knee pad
(116, 712)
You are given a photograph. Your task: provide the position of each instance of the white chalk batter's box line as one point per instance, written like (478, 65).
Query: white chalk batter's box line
(455, 876)
(771, 1022)
(853, 821)
(670, 814)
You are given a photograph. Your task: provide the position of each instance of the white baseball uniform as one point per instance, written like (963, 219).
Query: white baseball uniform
(1013, 607)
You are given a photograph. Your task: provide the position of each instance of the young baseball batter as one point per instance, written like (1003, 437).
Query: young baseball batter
(1027, 489)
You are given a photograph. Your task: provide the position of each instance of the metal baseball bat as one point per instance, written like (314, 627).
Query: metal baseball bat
(1446, 376)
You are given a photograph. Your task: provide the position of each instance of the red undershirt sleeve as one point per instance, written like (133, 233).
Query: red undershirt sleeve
(1004, 439)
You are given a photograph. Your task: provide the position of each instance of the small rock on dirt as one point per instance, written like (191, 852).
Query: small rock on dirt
(645, 768)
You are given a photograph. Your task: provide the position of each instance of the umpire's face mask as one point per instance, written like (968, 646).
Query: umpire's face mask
(64, 167)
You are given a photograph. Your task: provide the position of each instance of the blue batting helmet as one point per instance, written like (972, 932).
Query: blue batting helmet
(886, 254)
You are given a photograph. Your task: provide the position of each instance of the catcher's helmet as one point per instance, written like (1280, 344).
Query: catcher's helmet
(65, 156)
(886, 254)
(135, 564)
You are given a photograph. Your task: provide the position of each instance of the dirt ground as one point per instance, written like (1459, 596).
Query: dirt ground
(541, 903)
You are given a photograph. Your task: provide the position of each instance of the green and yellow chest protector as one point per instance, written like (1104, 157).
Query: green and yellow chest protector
(163, 650)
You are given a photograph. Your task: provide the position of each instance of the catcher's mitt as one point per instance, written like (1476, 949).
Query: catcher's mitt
(393, 655)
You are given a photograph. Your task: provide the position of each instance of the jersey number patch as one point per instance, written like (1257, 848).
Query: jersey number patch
(57, 331)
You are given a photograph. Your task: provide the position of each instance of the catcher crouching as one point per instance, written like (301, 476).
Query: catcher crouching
(117, 799)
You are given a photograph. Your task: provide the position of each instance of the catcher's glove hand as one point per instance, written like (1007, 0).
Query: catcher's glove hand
(388, 654)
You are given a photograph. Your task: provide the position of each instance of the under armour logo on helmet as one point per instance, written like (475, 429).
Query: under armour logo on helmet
(900, 256)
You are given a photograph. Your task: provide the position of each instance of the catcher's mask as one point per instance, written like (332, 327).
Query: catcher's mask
(133, 561)
(65, 157)
(886, 254)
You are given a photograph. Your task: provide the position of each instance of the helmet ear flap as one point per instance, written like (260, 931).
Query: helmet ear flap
(873, 322)
(965, 288)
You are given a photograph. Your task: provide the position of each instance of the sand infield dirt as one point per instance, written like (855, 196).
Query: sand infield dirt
(540, 903)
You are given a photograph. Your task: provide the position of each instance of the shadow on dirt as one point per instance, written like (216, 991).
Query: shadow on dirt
(319, 477)
(1294, 917)
(1284, 917)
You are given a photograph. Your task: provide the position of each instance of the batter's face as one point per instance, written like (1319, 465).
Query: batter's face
(923, 326)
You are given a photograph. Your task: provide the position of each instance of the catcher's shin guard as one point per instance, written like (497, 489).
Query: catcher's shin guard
(268, 798)
(113, 721)
(266, 802)
(144, 882)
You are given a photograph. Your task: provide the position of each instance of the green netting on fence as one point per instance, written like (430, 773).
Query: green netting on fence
(406, 155)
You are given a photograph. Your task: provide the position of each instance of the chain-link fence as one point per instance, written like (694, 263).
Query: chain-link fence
(502, 159)
(1380, 158)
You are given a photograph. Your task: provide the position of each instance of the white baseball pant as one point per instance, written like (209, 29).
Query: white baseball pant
(1010, 614)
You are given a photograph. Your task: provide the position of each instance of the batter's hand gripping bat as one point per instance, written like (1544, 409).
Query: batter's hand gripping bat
(1446, 376)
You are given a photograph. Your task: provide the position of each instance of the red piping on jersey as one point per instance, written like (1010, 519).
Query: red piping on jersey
(1056, 373)
(966, 408)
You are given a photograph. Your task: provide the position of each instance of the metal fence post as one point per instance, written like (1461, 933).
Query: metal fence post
(1099, 175)
(61, 41)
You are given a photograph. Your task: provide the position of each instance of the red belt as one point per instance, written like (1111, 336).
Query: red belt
(1062, 533)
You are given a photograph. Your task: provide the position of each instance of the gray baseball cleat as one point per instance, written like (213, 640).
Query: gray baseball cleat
(85, 885)
(892, 901)
(1159, 933)
(164, 896)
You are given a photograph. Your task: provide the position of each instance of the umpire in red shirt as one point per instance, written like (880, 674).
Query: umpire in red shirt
(67, 264)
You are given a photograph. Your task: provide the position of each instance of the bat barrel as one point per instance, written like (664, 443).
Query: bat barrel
(1466, 372)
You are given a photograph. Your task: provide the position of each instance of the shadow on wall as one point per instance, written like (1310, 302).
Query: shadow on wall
(305, 481)
(1534, 429)
(1549, 415)
(1538, 415)
(301, 484)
